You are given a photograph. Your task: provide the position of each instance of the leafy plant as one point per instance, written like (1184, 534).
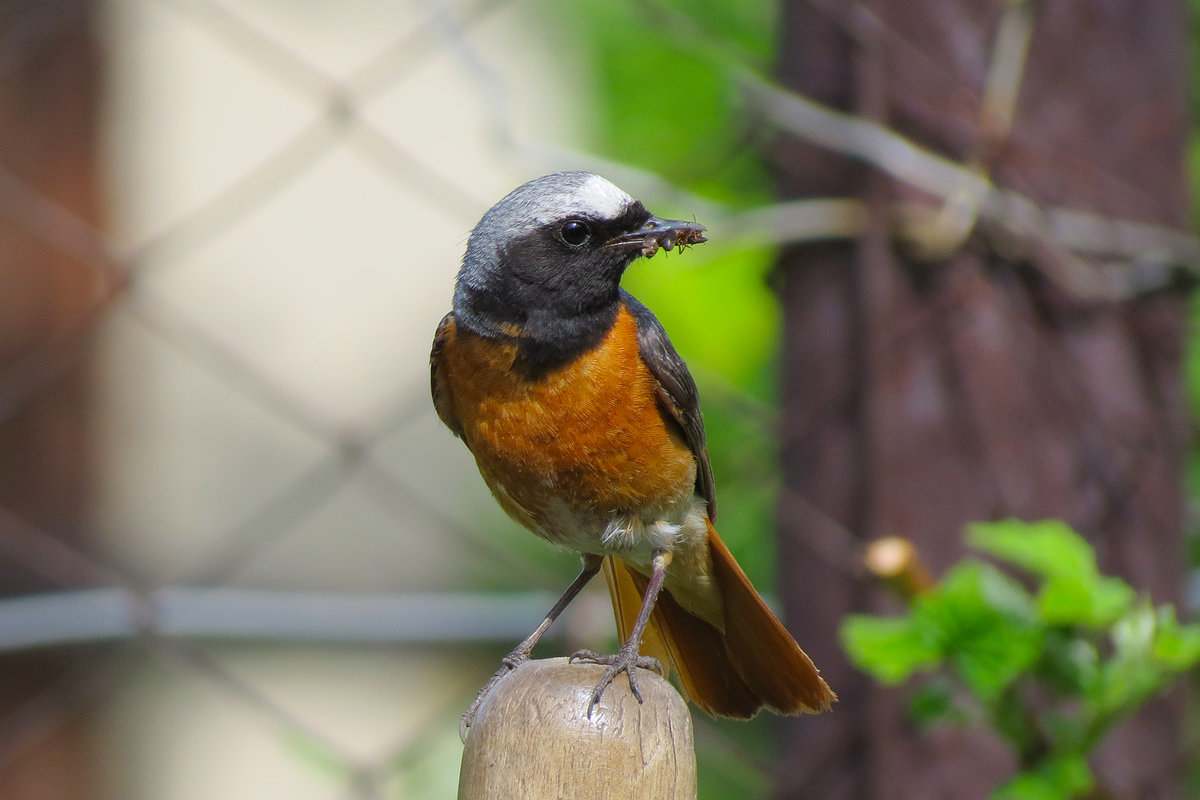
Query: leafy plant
(1050, 668)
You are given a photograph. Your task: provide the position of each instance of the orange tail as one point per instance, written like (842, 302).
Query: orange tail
(754, 664)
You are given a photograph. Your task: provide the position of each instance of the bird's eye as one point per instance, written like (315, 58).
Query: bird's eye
(575, 232)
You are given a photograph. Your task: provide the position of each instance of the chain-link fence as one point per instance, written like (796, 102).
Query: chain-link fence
(262, 574)
(270, 571)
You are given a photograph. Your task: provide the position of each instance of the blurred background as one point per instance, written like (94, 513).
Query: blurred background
(948, 280)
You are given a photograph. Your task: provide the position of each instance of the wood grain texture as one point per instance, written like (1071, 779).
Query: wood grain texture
(532, 738)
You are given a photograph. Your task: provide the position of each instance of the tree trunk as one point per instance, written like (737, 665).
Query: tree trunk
(920, 395)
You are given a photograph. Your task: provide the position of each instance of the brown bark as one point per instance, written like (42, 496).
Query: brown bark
(921, 396)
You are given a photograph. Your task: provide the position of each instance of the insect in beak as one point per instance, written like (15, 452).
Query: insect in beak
(658, 232)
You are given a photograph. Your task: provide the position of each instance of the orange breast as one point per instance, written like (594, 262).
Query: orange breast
(587, 438)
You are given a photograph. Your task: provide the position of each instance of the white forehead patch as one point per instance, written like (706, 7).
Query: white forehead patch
(596, 197)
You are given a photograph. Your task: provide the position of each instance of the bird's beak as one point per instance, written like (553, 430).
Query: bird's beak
(664, 233)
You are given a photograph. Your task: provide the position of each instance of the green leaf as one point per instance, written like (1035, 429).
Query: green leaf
(1075, 593)
(889, 649)
(1128, 676)
(1069, 663)
(1064, 777)
(1177, 646)
(1133, 634)
(978, 618)
(989, 662)
(1090, 600)
(1048, 548)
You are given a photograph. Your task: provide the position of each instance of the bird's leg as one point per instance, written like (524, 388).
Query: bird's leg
(628, 658)
(520, 654)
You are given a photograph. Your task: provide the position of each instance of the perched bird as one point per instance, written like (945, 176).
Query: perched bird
(585, 424)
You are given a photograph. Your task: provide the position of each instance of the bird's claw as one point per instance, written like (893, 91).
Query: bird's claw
(507, 664)
(626, 660)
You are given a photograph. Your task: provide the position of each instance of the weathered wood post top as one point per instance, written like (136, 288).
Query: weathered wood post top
(532, 739)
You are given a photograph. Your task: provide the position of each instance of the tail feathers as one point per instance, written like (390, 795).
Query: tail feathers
(754, 664)
(762, 650)
(684, 643)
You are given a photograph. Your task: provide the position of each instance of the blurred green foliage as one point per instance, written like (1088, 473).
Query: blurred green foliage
(661, 96)
(1050, 669)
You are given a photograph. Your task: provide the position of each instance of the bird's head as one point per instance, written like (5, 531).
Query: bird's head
(557, 246)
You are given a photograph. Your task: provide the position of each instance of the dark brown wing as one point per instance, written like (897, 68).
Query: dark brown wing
(441, 391)
(676, 391)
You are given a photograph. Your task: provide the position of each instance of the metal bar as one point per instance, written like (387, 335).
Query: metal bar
(96, 615)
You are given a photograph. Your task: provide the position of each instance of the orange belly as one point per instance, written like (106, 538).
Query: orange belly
(569, 452)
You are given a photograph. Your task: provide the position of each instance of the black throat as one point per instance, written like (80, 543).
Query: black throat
(546, 339)
(550, 341)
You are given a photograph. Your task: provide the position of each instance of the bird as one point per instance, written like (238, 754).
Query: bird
(585, 424)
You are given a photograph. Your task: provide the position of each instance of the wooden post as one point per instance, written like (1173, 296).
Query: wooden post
(532, 738)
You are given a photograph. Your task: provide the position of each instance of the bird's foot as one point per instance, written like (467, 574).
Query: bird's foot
(507, 664)
(626, 660)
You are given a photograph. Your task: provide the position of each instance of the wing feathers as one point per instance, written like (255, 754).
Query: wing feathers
(440, 389)
(677, 391)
